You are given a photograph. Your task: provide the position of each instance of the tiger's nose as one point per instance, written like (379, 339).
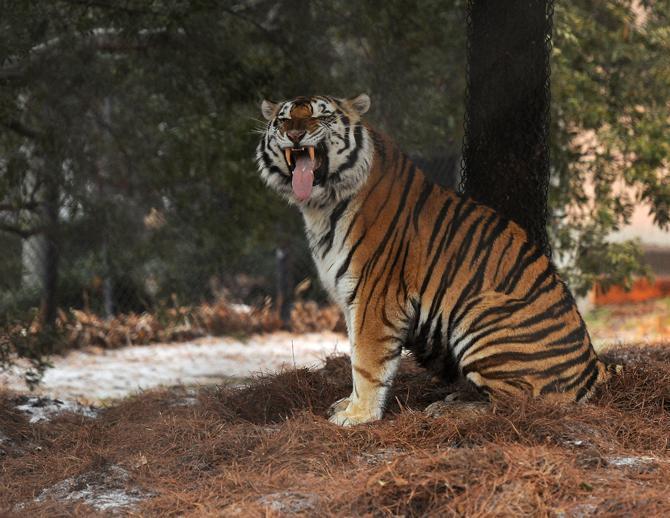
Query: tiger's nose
(295, 135)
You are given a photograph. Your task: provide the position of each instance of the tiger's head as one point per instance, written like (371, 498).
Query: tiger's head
(315, 151)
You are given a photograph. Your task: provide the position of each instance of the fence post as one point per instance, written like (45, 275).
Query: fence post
(284, 299)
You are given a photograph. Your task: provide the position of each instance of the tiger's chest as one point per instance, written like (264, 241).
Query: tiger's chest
(331, 251)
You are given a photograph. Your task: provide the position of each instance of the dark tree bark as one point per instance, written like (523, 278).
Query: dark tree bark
(506, 146)
(49, 305)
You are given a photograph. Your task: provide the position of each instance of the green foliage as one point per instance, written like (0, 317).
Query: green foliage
(611, 118)
(35, 347)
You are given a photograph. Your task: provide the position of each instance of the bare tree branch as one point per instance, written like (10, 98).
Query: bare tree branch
(110, 5)
(272, 37)
(101, 39)
(29, 205)
(21, 129)
(24, 233)
(11, 72)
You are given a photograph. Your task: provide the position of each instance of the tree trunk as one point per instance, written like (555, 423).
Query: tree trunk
(506, 145)
(39, 252)
(49, 304)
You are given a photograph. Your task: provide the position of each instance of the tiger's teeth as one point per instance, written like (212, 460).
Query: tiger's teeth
(311, 153)
(287, 153)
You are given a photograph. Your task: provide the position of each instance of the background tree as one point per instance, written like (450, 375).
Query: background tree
(506, 146)
(129, 127)
(610, 108)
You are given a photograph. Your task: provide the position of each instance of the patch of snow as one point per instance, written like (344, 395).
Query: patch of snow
(578, 511)
(385, 455)
(45, 409)
(289, 502)
(187, 401)
(188, 398)
(631, 462)
(103, 374)
(105, 490)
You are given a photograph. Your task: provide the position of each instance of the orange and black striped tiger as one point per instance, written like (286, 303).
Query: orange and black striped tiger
(414, 265)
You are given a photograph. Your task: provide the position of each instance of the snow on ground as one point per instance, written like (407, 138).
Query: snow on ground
(104, 490)
(43, 408)
(96, 375)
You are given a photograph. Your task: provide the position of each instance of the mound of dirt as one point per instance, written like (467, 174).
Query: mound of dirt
(267, 449)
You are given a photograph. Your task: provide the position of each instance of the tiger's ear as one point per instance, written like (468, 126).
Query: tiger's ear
(360, 103)
(269, 109)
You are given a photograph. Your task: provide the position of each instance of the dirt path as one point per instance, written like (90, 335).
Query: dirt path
(97, 375)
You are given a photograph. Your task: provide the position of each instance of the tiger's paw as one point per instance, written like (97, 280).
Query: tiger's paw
(338, 406)
(351, 416)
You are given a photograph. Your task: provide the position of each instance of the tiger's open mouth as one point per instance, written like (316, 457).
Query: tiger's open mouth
(305, 163)
(293, 154)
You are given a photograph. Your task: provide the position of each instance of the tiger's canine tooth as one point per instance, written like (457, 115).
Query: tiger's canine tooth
(287, 153)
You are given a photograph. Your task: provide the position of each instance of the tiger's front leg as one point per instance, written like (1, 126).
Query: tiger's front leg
(375, 355)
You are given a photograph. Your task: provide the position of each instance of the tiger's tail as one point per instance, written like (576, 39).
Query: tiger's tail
(609, 370)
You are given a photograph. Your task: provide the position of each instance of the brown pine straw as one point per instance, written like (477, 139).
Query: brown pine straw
(267, 450)
(78, 328)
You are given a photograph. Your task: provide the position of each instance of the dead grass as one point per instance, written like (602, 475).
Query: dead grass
(266, 449)
(78, 328)
(630, 321)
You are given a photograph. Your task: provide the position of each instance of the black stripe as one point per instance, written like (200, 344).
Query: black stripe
(347, 130)
(454, 220)
(327, 240)
(502, 256)
(436, 342)
(539, 281)
(518, 266)
(586, 388)
(402, 285)
(533, 257)
(353, 156)
(526, 338)
(486, 242)
(345, 265)
(563, 366)
(576, 335)
(522, 356)
(437, 225)
(273, 169)
(425, 193)
(392, 228)
(364, 202)
(392, 225)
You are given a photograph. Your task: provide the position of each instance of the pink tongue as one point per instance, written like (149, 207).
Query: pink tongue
(303, 177)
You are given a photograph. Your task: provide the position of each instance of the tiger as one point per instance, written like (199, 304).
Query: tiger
(416, 266)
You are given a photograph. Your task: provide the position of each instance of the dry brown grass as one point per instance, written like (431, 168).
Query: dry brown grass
(266, 449)
(78, 328)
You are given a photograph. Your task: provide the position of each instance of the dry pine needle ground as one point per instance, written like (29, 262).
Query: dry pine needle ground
(267, 450)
